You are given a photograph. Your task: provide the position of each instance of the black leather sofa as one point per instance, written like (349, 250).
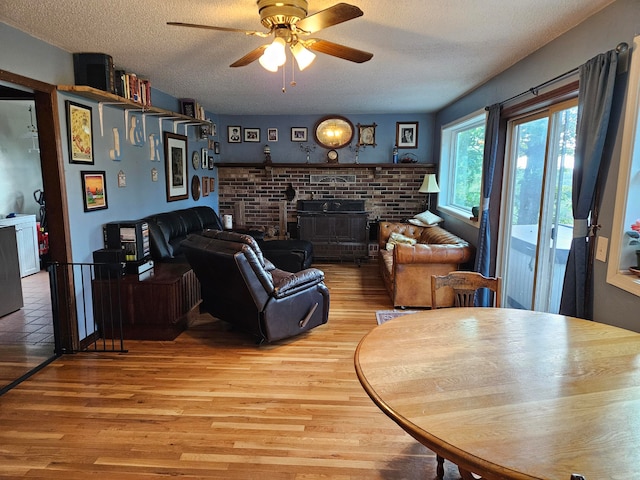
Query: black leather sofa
(167, 231)
(240, 286)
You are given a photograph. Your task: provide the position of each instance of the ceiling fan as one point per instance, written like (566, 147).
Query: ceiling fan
(288, 22)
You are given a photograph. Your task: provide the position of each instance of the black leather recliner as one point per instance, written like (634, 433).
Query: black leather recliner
(240, 286)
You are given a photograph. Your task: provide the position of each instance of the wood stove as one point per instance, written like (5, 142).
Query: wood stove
(338, 229)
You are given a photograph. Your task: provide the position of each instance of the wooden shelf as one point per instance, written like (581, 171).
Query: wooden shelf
(326, 165)
(116, 101)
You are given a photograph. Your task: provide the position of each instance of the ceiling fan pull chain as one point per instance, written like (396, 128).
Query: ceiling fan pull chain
(284, 80)
(293, 73)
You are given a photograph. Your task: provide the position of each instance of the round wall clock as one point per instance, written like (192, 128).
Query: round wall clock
(332, 156)
(195, 160)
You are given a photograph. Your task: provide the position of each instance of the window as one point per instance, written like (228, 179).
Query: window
(461, 165)
(625, 242)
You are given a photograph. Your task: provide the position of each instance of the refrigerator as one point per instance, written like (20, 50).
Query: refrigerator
(10, 284)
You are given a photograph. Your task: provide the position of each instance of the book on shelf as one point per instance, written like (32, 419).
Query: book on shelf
(132, 87)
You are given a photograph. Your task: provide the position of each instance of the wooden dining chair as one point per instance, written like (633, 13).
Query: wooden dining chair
(462, 286)
(459, 289)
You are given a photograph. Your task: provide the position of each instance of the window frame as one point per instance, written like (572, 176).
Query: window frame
(448, 138)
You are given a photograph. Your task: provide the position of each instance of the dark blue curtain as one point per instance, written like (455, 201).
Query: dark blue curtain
(597, 79)
(483, 253)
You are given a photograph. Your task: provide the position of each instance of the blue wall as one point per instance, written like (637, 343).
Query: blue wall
(286, 151)
(617, 23)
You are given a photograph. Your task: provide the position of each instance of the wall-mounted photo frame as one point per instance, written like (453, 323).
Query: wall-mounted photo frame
(94, 190)
(204, 158)
(80, 128)
(175, 166)
(205, 186)
(234, 134)
(251, 134)
(367, 134)
(407, 134)
(212, 184)
(299, 134)
(272, 135)
(211, 160)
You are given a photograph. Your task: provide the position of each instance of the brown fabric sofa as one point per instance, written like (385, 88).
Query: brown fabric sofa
(407, 269)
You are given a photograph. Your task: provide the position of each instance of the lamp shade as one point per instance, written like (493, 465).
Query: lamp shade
(429, 184)
(303, 56)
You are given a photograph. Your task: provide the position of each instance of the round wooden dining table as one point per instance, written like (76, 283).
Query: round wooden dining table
(510, 394)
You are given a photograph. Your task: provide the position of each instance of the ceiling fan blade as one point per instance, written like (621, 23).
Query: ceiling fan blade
(222, 29)
(252, 56)
(339, 13)
(337, 50)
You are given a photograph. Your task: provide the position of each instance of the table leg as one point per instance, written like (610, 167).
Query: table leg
(440, 467)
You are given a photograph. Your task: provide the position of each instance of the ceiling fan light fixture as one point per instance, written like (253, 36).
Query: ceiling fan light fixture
(274, 55)
(303, 57)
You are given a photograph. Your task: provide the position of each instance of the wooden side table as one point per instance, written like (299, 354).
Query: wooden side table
(153, 307)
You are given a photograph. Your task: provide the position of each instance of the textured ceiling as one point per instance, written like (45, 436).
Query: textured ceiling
(427, 53)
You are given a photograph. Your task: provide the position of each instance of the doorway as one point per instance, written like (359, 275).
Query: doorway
(537, 220)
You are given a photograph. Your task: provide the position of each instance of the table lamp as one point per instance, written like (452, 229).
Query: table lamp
(429, 186)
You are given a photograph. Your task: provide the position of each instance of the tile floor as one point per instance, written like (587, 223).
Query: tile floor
(33, 323)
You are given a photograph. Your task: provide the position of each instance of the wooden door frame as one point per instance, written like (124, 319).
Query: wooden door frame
(52, 162)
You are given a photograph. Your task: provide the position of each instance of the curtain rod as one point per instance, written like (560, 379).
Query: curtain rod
(620, 48)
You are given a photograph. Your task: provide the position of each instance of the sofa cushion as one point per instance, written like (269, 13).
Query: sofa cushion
(427, 218)
(397, 238)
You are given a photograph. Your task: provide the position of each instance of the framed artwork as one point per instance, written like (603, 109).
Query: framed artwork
(94, 190)
(80, 133)
(407, 134)
(299, 134)
(205, 186)
(214, 130)
(188, 107)
(233, 134)
(204, 158)
(212, 184)
(272, 134)
(175, 166)
(211, 159)
(367, 134)
(251, 134)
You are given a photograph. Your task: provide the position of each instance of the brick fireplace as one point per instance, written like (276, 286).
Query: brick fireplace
(390, 192)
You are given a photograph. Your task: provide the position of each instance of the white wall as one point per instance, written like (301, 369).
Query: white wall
(19, 161)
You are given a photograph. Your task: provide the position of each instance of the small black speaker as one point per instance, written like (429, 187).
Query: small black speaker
(109, 263)
(95, 70)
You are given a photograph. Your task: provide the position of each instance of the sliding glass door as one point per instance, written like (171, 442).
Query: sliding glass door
(537, 220)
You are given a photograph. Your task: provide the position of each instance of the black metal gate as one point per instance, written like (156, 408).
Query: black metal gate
(98, 303)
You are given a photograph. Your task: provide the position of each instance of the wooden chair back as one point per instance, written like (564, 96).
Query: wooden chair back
(464, 286)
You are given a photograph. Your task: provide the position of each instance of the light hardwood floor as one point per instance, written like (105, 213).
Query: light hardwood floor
(213, 405)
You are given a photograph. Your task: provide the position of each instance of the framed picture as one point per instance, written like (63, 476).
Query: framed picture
(188, 107)
(299, 134)
(204, 158)
(367, 134)
(214, 130)
(211, 159)
(80, 133)
(272, 134)
(205, 186)
(175, 166)
(212, 184)
(251, 134)
(94, 190)
(407, 134)
(233, 134)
